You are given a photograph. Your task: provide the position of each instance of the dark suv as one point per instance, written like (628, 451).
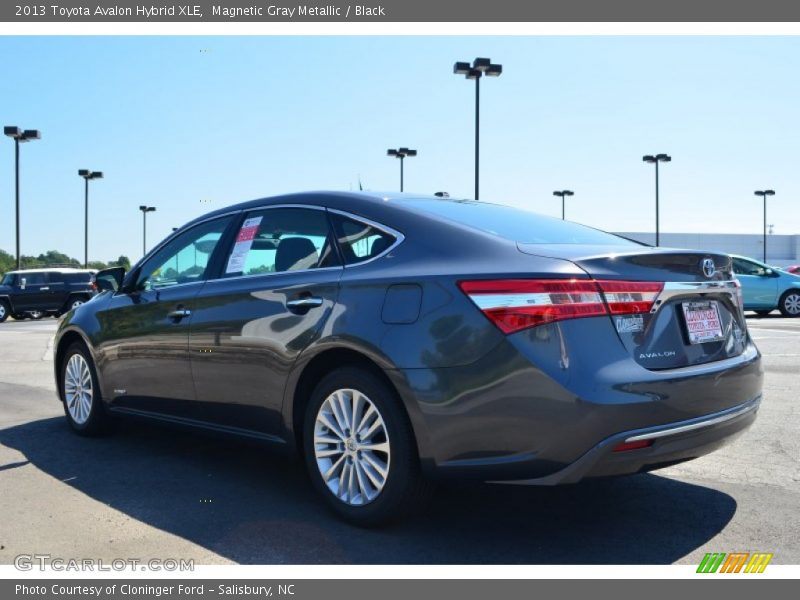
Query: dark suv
(38, 292)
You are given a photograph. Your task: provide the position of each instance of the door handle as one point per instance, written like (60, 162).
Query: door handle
(179, 314)
(304, 303)
(44, 289)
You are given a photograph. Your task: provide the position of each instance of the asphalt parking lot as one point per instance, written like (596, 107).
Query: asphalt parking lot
(147, 492)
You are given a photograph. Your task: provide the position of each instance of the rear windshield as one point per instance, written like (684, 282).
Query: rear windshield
(516, 224)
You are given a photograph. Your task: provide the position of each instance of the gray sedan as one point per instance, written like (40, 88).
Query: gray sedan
(390, 340)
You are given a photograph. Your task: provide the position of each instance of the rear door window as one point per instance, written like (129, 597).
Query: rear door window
(34, 278)
(360, 241)
(276, 240)
(745, 267)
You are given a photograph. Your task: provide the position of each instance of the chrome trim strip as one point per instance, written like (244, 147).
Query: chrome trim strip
(270, 274)
(398, 236)
(753, 405)
(681, 288)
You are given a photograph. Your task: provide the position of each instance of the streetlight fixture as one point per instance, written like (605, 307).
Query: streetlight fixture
(764, 194)
(563, 193)
(655, 159)
(145, 210)
(87, 175)
(401, 153)
(19, 136)
(479, 68)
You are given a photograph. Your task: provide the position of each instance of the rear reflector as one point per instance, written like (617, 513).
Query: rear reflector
(516, 304)
(638, 444)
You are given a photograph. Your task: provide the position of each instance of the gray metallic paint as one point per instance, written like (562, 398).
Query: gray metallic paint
(482, 404)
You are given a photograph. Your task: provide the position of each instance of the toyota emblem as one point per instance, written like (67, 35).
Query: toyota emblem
(709, 268)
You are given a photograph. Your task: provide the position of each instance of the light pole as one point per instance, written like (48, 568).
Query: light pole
(401, 153)
(480, 67)
(19, 136)
(563, 193)
(655, 159)
(764, 194)
(145, 210)
(87, 175)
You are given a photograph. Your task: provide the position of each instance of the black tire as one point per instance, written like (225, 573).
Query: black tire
(763, 313)
(404, 490)
(789, 304)
(5, 311)
(97, 420)
(20, 316)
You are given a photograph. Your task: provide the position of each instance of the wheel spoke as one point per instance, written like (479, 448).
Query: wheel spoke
(343, 482)
(376, 426)
(328, 452)
(351, 482)
(331, 424)
(326, 439)
(343, 412)
(365, 419)
(375, 463)
(363, 486)
(379, 447)
(327, 475)
(357, 402)
(375, 478)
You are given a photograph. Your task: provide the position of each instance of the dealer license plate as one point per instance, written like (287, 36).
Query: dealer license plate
(702, 322)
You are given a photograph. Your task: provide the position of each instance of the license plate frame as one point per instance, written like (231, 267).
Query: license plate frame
(703, 321)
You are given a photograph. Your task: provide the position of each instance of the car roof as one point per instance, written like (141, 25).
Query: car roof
(347, 201)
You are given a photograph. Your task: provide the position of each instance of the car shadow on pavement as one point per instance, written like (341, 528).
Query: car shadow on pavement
(251, 506)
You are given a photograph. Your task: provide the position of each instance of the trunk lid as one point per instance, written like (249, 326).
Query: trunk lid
(695, 319)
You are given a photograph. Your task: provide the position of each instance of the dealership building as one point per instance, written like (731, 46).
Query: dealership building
(782, 250)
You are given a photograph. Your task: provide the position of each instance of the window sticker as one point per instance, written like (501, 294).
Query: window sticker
(244, 242)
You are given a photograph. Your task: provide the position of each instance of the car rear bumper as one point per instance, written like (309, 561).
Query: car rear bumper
(671, 444)
(541, 409)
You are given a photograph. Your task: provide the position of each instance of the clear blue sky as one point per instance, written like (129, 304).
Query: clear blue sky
(174, 121)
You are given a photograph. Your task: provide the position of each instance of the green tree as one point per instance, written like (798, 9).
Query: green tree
(122, 261)
(54, 257)
(7, 262)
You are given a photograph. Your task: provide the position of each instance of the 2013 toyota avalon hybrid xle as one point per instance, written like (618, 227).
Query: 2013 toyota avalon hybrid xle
(388, 339)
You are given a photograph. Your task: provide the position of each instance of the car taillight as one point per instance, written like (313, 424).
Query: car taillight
(739, 296)
(630, 297)
(516, 304)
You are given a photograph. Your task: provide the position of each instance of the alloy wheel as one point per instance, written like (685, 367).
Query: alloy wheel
(2, 310)
(76, 304)
(351, 447)
(78, 389)
(792, 304)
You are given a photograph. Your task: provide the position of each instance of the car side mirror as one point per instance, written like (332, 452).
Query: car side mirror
(23, 283)
(109, 280)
